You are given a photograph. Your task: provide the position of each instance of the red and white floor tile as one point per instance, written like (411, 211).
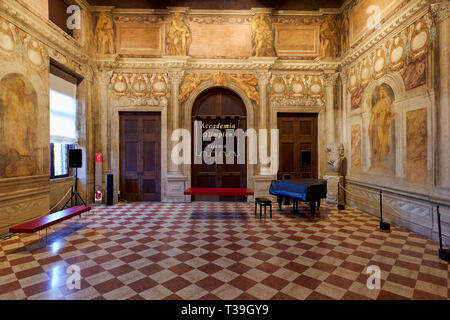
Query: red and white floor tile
(210, 251)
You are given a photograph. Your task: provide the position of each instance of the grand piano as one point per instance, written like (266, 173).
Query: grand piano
(306, 190)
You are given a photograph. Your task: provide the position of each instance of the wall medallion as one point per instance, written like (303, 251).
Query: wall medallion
(7, 42)
(315, 88)
(297, 87)
(278, 86)
(159, 85)
(139, 86)
(397, 55)
(379, 63)
(34, 52)
(120, 85)
(419, 39)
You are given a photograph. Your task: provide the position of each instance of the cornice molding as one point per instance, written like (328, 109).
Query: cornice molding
(192, 64)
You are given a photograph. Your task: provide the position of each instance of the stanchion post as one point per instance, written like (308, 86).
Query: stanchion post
(444, 254)
(339, 205)
(383, 225)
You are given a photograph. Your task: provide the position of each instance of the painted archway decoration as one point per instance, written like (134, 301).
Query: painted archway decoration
(246, 82)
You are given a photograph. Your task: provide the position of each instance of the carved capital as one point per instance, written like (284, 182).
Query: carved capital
(440, 11)
(330, 79)
(104, 77)
(176, 77)
(263, 78)
(344, 73)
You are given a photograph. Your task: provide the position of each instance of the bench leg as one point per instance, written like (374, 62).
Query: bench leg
(256, 206)
(260, 211)
(265, 212)
(270, 211)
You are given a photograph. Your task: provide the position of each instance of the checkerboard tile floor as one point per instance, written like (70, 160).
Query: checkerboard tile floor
(220, 251)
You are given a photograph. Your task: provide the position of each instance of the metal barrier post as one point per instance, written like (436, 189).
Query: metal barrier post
(444, 254)
(383, 225)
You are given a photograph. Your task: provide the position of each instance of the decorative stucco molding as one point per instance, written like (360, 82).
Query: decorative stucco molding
(440, 11)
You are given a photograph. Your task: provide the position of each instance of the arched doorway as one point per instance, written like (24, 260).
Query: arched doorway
(219, 108)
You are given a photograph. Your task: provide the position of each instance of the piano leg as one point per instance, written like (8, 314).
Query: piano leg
(294, 206)
(312, 206)
(280, 201)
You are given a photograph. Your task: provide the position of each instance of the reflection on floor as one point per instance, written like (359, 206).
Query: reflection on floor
(211, 251)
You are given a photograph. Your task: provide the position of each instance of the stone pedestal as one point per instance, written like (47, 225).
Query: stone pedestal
(175, 188)
(332, 190)
(262, 185)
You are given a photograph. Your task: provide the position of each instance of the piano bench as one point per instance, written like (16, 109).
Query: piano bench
(263, 202)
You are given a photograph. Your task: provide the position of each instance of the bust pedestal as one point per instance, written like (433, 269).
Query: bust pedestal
(332, 190)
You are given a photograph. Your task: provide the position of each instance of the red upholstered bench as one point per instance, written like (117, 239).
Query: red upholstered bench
(49, 220)
(218, 192)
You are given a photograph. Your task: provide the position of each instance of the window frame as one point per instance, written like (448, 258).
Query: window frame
(52, 162)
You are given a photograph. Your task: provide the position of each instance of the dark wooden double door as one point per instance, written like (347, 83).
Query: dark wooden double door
(214, 107)
(298, 145)
(140, 156)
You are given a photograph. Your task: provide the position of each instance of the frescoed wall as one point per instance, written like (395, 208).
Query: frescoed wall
(370, 75)
(389, 100)
(18, 118)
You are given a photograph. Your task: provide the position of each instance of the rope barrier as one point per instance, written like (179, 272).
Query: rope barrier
(375, 196)
(57, 204)
(7, 236)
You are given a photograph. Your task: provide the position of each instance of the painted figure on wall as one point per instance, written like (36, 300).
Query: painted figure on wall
(381, 127)
(329, 38)
(356, 97)
(262, 36)
(416, 146)
(178, 36)
(18, 102)
(344, 32)
(104, 34)
(414, 74)
(356, 148)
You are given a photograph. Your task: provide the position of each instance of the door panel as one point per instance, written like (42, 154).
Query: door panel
(140, 148)
(298, 133)
(220, 106)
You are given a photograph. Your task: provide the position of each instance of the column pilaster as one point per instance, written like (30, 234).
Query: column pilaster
(441, 14)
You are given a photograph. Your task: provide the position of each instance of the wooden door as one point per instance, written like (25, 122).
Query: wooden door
(140, 156)
(298, 145)
(220, 106)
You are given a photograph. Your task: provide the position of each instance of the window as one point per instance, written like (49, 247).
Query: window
(63, 132)
(57, 13)
(59, 165)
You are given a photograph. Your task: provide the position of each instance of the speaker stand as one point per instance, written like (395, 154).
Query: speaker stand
(75, 194)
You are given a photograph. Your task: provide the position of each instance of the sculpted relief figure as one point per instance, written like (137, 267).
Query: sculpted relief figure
(178, 36)
(329, 38)
(104, 34)
(335, 158)
(18, 112)
(262, 36)
(190, 83)
(380, 127)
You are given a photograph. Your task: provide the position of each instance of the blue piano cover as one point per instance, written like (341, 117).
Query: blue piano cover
(301, 189)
